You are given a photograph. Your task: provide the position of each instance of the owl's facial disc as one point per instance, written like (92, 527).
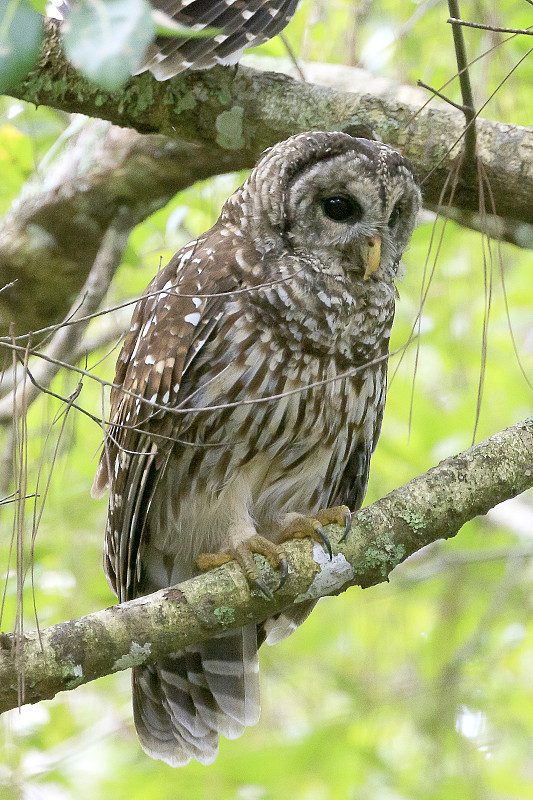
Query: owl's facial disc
(354, 212)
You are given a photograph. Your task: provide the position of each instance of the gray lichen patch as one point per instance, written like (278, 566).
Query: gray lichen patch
(73, 675)
(137, 655)
(229, 129)
(333, 574)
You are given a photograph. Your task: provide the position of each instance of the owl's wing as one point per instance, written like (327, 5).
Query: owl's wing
(350, 487)
(170, 325)
(238, 25)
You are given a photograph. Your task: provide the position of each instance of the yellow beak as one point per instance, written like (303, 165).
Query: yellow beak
(372, 256)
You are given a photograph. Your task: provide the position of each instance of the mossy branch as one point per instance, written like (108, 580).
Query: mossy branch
(242, 111)
(217, 121)
(432, 506)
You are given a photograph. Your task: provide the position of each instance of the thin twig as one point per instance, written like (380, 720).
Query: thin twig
(476, 115)
(494, 28)
(292, 55)
(442, 96)
(134, 300)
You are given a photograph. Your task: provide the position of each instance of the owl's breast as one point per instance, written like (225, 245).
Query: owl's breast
(278, 437)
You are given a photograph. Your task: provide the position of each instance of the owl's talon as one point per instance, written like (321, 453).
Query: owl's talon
(321, 533)
(283, 571)
(347, 524)
(302, 526)
(243, 555)
(259, 583)
(340, 515)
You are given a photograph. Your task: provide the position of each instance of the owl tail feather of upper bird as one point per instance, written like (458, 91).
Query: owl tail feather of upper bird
(289, 296)
(230, 27)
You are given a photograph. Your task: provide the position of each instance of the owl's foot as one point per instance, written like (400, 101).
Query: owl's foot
(339, 515)
(302, 526)
(243, 555)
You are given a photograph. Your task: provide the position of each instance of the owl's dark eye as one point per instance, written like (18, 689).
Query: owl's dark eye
(341, 208)
(396, 213)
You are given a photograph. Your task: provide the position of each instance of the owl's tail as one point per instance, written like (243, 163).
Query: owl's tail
(182, 703)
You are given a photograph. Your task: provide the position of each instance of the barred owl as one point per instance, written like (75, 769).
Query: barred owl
(238, 24)
(248, 397)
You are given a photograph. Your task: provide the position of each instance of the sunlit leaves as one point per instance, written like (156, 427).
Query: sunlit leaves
(106, 39)
(21, 33)
(39, 5)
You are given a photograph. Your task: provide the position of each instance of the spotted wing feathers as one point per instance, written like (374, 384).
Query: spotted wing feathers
(169, 327)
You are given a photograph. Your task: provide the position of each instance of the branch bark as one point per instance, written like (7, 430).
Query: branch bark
(432, 506)
(243, 111)
(50, 236)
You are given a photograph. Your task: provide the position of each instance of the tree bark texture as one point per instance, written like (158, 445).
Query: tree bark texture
(50, 238)
(432, 506)
(244, 111)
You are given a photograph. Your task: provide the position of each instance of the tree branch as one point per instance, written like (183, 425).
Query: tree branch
(243, 111)
(65, 341)
(430, 507)
(50, 237)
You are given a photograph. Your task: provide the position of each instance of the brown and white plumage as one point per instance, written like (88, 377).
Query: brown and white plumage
(276, 297)
(237, 23)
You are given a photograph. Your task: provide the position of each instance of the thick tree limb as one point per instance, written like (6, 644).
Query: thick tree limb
(430, 507)
(243, 111)
(50, 237)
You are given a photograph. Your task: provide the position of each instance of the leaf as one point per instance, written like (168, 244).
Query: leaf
(106, 39)
(167, 26)
(39, 5)
(21, 33)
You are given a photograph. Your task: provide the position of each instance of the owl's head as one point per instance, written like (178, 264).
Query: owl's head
(348, 204)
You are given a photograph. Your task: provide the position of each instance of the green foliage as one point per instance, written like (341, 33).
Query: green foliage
(106, 39)
(21, 33)
(419, 689)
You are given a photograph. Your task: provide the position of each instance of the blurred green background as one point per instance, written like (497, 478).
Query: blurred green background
(418, 689)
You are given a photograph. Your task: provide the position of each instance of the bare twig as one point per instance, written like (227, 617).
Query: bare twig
(442, 96)
(494, 28)
(292, 55)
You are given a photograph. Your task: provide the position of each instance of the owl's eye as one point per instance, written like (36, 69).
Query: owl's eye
(396, 213)
(342, 208)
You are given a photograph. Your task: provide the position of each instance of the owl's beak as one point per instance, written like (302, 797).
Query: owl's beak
(372, 255)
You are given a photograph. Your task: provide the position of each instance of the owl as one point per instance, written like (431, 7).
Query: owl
(220, 31)
(236, 24)
(247, 403)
